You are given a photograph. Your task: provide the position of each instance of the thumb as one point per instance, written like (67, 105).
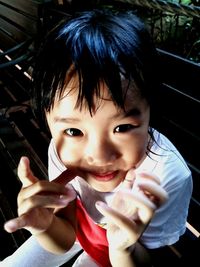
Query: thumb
(25, 173)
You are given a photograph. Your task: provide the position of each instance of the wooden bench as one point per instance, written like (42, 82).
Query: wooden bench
(180, 122)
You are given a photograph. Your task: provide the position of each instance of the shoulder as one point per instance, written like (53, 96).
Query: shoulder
(170, 165)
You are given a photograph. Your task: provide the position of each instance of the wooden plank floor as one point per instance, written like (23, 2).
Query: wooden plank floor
(19, 135)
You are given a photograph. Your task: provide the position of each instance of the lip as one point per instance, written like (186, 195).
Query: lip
(106, 177)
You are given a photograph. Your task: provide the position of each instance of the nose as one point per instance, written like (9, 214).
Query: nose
(101, 152)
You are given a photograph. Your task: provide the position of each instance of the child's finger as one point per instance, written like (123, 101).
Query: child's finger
(24, 172)
(40, 201)
(66, 176)
(153, 191)
(56, 187)
(113, 216)
(139, 202)
(15, 224)
(127, 223)
(46, 188)
(149, 176)
(129, 179)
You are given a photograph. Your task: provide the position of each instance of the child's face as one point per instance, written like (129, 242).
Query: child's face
(103, 146)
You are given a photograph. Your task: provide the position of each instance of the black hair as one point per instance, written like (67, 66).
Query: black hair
(99, 45)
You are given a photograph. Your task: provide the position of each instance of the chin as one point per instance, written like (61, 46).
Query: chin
(104, 186)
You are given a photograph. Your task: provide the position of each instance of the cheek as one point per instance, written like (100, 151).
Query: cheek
(68, 155)
(135, 149)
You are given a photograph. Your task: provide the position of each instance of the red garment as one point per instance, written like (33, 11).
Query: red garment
(92, 237)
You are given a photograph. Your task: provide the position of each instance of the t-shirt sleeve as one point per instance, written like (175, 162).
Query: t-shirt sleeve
(31, 254)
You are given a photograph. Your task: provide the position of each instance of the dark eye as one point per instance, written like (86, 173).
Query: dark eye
(73, 132)
(124, 128)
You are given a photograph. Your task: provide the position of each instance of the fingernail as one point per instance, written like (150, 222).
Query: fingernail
(10, 226)
(100, 204)
(63, 199)
(130, 176)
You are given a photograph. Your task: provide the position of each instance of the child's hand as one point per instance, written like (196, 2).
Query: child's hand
(131, 210)
(38, 199)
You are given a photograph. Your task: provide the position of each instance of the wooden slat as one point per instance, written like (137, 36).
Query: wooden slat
(180, 73)
(26, 6)
(10, 35)
(25, 22)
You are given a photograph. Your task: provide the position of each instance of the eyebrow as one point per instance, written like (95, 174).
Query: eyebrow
(134, 112)
(66, 120)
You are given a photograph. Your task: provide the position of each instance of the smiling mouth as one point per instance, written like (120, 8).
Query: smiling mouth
(104, 176)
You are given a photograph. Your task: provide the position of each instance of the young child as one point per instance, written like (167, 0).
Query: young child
(117, 184)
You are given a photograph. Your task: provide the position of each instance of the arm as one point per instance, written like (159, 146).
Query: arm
(121, 258)
(135, 256)
(59, 237)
